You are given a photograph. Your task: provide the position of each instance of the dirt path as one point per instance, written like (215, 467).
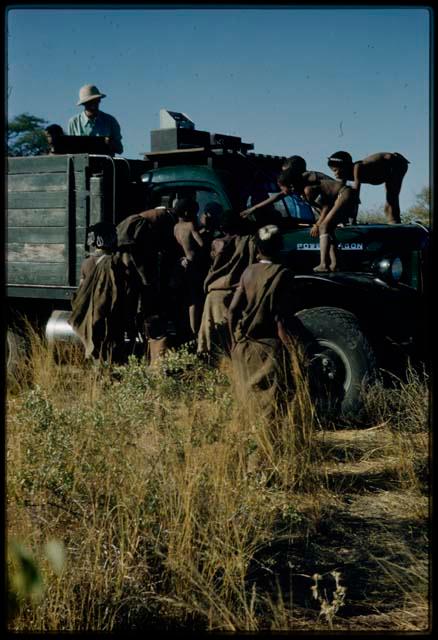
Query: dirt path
(372, 530)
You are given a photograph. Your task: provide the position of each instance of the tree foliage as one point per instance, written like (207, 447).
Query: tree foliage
(421, 209)
(374, 215)
(25, 136)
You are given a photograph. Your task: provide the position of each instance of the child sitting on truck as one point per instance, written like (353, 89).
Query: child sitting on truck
(53, 134)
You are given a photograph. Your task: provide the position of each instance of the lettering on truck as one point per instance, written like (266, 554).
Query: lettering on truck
(313, 246)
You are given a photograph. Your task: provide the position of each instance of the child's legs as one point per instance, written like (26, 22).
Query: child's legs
(328, 248)
(333, 252)
(196, 301)
(329, 253)
(392, 205)
(195, 317)
(344, 208)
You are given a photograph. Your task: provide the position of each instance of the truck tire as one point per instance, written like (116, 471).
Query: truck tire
(341, 360)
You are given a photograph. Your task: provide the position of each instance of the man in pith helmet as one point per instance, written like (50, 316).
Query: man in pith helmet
(93, 122)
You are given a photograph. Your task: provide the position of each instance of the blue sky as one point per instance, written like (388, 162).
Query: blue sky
(307, 81)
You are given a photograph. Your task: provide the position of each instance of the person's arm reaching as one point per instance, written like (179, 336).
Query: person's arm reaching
(314, 231)
(271, 200)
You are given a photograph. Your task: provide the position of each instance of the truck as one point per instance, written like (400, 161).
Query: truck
(370, 315)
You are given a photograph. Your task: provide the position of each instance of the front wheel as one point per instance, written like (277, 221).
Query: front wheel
(341, 360)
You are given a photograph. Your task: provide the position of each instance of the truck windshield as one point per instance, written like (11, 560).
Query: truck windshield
(295, 207)
(166, 195)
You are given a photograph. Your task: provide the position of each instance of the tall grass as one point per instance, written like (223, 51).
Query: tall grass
(405, 407)
(164, 493)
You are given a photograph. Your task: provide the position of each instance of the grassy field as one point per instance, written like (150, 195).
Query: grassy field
(153, 499)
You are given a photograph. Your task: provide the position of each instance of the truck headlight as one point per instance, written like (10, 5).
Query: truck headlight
(389, 269)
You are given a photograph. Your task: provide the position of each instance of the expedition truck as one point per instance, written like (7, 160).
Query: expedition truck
(369, 315)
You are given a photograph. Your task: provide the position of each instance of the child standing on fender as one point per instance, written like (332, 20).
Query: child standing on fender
(337, 203)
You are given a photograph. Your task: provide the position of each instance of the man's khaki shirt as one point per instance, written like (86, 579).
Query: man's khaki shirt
(102, 125)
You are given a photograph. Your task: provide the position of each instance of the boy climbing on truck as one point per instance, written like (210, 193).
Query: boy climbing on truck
(337, 204)
(298, 177)
(379, 168)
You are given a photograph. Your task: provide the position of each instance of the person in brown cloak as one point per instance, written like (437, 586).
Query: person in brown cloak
(99, 304)
(259, 329)
(147, 247)
(378, 168)
(230, 255)
(143, 237)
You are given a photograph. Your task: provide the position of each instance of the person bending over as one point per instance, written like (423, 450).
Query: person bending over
(380, 168)
(337, 203)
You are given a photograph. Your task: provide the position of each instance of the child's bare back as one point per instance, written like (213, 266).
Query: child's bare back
(188, 238)
(374, 169)
(325, 192)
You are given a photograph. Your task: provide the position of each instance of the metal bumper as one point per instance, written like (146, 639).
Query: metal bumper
(59, 330)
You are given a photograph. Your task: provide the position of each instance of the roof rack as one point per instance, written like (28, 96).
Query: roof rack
(177, 132)
(178, 140)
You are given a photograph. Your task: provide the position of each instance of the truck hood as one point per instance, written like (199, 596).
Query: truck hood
(360, 247)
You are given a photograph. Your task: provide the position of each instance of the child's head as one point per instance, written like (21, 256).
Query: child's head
(340, 163)
(102, 235)
(269, 241)
(53, 132)
(296, 163)
(211, 215)
(230, 223)
(290, 181)
(186, 208)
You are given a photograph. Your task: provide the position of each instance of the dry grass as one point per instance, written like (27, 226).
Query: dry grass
(178, 510)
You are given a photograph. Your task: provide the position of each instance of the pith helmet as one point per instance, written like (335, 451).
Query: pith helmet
(89, 92)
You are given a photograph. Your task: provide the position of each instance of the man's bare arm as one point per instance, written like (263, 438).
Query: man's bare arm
(197, 236)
